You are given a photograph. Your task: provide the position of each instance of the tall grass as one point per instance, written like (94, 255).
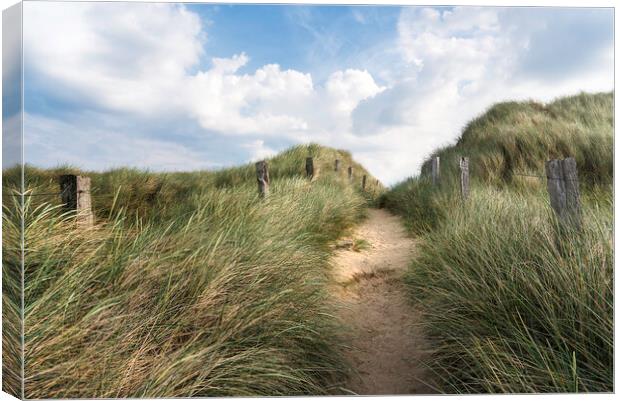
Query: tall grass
(162, 195)
(188, 285)
(510, 305)
(516, 138)
(511, 302)
(11, 303)
(507, 147)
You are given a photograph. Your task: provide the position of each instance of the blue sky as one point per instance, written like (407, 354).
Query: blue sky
(183, 87)
(304, 38)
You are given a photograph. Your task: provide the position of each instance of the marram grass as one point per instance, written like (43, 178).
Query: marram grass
(512, 301)
(188, 285)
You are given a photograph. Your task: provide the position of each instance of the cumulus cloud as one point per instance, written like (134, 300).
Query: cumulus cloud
(139, 58)
(238, 104)
(144, 67)
(461, 60)
(347, 88)
(126, 57)
(105, 146)
(258, 150)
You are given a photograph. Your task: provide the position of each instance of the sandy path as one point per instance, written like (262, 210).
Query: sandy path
(386, 348)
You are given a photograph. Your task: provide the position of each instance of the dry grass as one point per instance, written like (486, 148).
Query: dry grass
(188, 285)
(511, 302)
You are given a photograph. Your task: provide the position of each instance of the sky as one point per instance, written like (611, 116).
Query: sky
(11, 88)
(171, 87)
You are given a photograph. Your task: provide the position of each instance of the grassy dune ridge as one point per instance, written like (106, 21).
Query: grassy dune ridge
(511, 302)
(188, 285)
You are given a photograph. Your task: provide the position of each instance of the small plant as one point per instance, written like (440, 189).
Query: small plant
(360, 244)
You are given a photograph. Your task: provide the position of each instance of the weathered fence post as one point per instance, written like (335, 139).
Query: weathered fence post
(563, 188)
(262, 177)
(364, 182)
(350, 172)
(571, 183)
(75, 195)
(435, 170)
(309, 167)
(337, 165)
(464, 165)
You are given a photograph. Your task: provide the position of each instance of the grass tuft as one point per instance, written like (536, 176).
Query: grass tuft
(188, 284)
(511, 301)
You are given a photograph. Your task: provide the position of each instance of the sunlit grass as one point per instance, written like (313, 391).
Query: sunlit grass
(510, 302)
(514, 304)
(188, 285)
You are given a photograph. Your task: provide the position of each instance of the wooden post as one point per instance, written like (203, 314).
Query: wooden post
(563, 188)
(309, 167)
(75, 195)
(337, 165)
(262, 177)
(350, 172)
(435, 170)
(571, 184)
(464, 165)
(364, 182)
(557, 197)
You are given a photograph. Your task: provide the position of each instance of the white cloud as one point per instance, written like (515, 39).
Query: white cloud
(258, 150)
(230, 103)
(11, 43)
(105, 146)
(229, 65)
(347, 88)
(459, 62)
(137, 58)
(144, 63)
(122, 56)
(11, 90)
